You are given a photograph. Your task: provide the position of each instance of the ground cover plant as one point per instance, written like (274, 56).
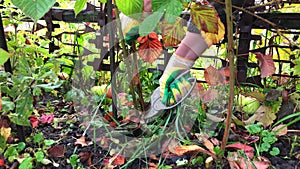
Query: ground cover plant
(61, 109)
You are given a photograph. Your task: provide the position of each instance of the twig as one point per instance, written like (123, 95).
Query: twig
(230, 53)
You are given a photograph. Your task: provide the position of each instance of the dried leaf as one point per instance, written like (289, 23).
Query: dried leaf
(266, 64)
(84, 156)
(46, 118)
(205, 18)
(57, 151)
(5, 132)
(150, 47)
(172, 34)
(265, 115)
(261, 97)
(180, 150)
(280, 130)
(209, 145)
(118, 160)
(81, 141)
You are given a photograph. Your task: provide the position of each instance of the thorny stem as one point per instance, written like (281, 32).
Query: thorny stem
(230, 54)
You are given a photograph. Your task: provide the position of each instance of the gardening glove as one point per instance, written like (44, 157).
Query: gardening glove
(172, 88)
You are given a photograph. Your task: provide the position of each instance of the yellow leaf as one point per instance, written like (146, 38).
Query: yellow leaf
(5, 132)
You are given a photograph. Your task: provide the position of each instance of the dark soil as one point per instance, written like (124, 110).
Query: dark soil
(66, 132)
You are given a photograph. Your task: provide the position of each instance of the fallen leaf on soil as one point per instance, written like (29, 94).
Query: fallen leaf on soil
(81, 141)
(84, 156)
(238, 162)
(266, 64)
(172, 145)
(150, 47)
(152, 165)
(180, 150)
(5, 132)
(57, 151)
(118, 160)
(265, 115)
(209, 145)
(280, 130)
(247, 149)
(46, 118)
(34, 121)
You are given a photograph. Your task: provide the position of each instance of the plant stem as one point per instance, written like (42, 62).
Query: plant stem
(112, 57)
(230, 54)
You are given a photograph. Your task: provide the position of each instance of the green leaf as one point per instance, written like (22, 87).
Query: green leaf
(35, 9)
(297, 67)
(39, 156)
(26, 163)
(21, 146)
(4, 56)
(24, 108)
(150, 23)
(7, 105)
(275, 151)
(254, 128)
(73, 160)
(130, 7)
(173, 8)
(38, 138)
(50, 86)
(264, 147)
(49, 142)
(79, 5)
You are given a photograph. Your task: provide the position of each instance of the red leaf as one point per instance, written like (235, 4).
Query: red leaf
(57, 151)
(266, 64)
(34, 121)
(2, 164)
(248, 150)
(150, 47)
(172, 34)
(118, 159)
(212, 76)
(84, 156)
(46, 118)
(210, 95)
(240, 146)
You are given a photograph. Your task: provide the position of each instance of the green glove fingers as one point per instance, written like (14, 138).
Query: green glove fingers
(175, 89)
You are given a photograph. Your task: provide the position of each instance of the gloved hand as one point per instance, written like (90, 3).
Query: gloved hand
(172, 88)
